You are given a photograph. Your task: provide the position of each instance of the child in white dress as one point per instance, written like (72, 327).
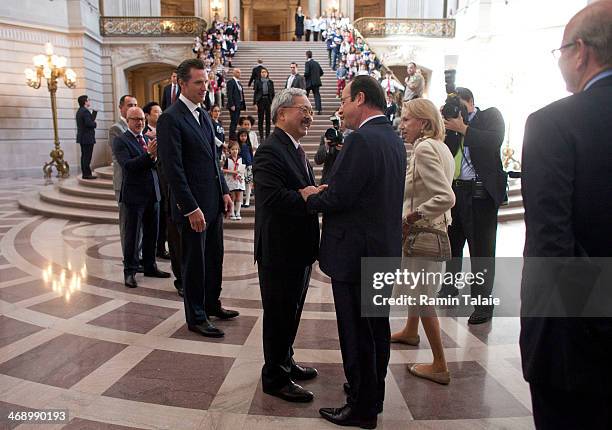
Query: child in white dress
(234, 171)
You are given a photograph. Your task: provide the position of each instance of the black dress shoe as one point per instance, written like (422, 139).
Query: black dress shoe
(130, 281)
(156, 273)
(90, 177)
(163, 254)
(347, 390)
(292, 392)
(223, 314)
(206, 329)
(302, 373)
(480, 317)
(346, 416)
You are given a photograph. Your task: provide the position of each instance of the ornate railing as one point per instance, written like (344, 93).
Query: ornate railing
(178, 26)
(381, 27)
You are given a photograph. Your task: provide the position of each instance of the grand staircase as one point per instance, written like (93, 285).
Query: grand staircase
(94, 200)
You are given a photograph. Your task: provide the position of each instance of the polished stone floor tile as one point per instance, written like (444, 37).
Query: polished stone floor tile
(5, 410)
(11, 330)
(79, 302)
(317, 334)
(11, 273)
(173, 379)
(236, 330)
(499, 331)
(3, 260)
(27, 290)
(472, 393)
(61, 362)
(81, 424)
(134, 317)
(327, 389)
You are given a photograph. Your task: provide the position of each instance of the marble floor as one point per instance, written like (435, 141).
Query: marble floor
(73, 337)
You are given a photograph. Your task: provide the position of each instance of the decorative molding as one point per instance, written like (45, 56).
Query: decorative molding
(123, 56)
(152, 26)
(40, 37)
(384, 27)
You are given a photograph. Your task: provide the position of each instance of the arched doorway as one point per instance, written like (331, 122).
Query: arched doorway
(369, 8)
(146, 81)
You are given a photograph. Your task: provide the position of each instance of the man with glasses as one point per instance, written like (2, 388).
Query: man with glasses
(567, 193)
(362, 217)
(286, 242)
(140, 195)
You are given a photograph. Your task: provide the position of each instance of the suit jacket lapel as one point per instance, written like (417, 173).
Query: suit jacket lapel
(196, 127)
(294, 155)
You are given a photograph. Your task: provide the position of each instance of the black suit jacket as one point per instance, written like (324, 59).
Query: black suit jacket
(255, 74)
(86, 127)
(567, 192)
(362, 208)
(189, 159)
(258, 88)
(298, 82)
(167, 96)
(140, 183)
(313, 73)
(484, 137)
(235, 96)
(286, 234)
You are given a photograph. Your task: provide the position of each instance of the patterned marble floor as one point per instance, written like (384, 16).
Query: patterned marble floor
(73, 337)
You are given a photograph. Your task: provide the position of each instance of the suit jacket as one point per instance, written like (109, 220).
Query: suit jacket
(167, 96)
(286, 234)
(117, 129)
(235, 95)
(484, 137)
(567, 195)
(313, 73)
(362, 208)
(258, 88)
(86, 127)
(255, 74)
(298, 82)
(140, 183)
(430, 189)
(189, 159)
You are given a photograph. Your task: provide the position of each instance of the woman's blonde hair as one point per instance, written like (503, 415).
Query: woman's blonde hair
(424, 109)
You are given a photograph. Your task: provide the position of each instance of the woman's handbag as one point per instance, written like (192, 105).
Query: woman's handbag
(429, 242)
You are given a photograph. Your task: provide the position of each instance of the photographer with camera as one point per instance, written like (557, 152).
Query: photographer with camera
(474, 137)
(330, 146)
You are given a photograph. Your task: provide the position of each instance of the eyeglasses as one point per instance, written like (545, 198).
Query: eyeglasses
(556, 53)
(305, 110)
(136, 119)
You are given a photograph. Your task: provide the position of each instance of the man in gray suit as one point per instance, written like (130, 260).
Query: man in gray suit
(118, 129)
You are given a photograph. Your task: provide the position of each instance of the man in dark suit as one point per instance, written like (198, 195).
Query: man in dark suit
(312, 74)
(295, 80)
(137, 155)
(86, 135)
(171, 92)
(235, 101)
(362, 217)
(256, 75)
(198, 197)
(480, 188)
(567, 195)
(280, 170)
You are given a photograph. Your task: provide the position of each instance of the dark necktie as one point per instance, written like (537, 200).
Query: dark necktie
(142, 143)
(302, 155)
(173, 98)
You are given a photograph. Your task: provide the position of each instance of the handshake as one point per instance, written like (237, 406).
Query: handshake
(310, 190)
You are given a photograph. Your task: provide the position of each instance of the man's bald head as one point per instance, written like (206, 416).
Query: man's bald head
(587, 45)
(236, 73)
(135, 119)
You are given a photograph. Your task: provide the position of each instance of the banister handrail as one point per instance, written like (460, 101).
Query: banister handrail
(382, 27)
(152, 26)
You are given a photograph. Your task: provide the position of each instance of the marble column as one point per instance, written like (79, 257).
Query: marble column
(292, 7)
(247, 29)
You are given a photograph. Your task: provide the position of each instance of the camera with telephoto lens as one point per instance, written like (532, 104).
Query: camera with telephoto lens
(333, 134)
(453, 107)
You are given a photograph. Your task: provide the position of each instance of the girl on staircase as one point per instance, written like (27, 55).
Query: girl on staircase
(234, 171)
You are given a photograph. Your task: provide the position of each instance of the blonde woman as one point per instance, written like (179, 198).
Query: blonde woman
(428, 199)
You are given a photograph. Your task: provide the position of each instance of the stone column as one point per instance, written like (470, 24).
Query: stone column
(247, 20)
(292, 7)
